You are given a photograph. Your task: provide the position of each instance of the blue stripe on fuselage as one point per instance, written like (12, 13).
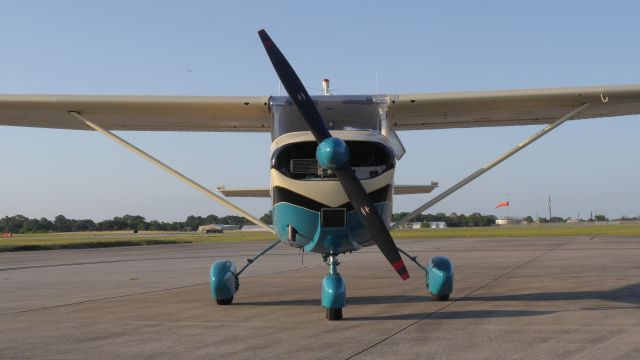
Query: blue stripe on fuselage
(314, 238)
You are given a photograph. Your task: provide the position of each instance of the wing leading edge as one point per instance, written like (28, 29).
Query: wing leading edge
(252, 113)
(144, 113)
(510, 107)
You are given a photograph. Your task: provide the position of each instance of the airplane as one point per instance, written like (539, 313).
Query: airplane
(333, 157)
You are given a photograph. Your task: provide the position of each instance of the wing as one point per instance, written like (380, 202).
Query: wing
(159, 113)
(414, 189)
(246, 192)
(511, 107)
(251, 113)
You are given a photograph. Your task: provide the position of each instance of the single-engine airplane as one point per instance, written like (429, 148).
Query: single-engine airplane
(332, 157)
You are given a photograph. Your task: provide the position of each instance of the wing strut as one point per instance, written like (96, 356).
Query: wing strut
(490, 165)
(171, 171)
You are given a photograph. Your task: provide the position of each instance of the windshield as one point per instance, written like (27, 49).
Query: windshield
(348, 112)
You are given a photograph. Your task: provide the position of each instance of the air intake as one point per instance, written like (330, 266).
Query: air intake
(304, 166)
(333, 218)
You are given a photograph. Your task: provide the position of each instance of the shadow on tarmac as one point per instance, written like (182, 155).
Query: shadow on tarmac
(357, 300)
(629, 294)
(453, 315)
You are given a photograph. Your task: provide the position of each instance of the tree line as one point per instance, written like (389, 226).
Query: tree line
(452, 220)
(20, 224)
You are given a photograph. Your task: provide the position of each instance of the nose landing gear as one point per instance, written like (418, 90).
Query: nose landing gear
(334, 292)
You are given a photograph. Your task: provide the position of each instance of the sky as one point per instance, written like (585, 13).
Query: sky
(212, 48)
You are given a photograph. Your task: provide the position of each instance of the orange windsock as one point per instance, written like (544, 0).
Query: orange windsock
(501, 204)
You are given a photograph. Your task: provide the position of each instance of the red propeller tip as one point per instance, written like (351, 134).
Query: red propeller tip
(266, 40)
(401, 269)
(398, 264)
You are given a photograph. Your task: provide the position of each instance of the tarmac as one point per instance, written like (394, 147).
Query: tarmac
(531, 298)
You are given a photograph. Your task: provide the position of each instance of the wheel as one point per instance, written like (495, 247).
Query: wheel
(226, 301)
(334, 314)
(441, 297)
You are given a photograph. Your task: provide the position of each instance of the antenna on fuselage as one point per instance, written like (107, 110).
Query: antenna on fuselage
(325, 87)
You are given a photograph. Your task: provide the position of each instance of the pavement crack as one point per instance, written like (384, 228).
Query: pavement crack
(100, 299)
(132, 260)
(516, 268)
(142, 293)
(432, 314)
(426, 316)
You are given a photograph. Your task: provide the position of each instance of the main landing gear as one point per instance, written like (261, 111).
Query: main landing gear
(438, 275)
(224, 280)
(439, 279)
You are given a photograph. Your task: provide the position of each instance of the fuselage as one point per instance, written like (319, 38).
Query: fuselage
(310, 208)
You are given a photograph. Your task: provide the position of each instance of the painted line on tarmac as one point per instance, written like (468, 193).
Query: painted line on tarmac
(130, 260)
(432, 314)
(145, 292)
(100, 299)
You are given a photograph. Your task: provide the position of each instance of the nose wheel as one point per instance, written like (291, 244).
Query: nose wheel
(334, 314)
(334, 292)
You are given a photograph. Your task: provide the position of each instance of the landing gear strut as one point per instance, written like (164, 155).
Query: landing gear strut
(333, 290)
(224, 280)
(438, 275)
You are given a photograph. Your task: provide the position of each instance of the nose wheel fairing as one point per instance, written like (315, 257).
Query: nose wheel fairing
(334, 290)
(313, 237)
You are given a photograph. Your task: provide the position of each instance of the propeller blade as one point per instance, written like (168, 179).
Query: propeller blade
(372, 221)
(356, 193)
(295, 89)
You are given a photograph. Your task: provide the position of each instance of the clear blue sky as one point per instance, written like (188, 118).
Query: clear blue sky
(211, 48)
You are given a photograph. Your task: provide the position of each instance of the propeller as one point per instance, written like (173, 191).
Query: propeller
(332, 153)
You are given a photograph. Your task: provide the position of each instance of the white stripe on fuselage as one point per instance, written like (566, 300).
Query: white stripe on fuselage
(328, 191)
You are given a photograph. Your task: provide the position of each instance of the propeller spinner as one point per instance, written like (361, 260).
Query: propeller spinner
(332, 153)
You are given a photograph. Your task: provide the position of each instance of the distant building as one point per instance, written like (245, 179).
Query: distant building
(504, 221)
(210, 229)
(230, 227)
(432, 225)
(254, 228)
(437, 224)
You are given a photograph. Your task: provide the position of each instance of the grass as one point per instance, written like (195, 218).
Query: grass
(85, 240)
(520, 231)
